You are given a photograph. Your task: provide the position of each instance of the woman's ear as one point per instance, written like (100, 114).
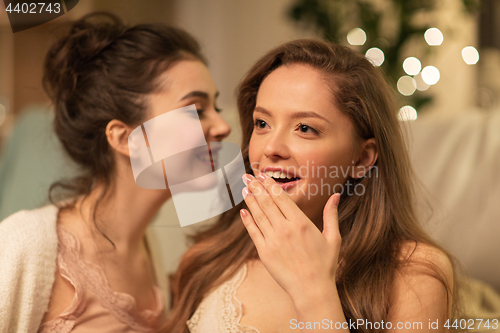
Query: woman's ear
(117, 134)
(366, 159)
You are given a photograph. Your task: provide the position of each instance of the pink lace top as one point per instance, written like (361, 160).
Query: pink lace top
(95, 306)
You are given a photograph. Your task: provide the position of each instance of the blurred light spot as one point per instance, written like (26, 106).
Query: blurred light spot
(433, 36)
(407, 113)
(406, 85)
(421, 85)
(430, 75)
(3, 113)
(376, 56)
(412, 66)
(356, 36)
(470, 55)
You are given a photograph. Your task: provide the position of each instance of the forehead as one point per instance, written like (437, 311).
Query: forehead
(187, 75)
(297, 87)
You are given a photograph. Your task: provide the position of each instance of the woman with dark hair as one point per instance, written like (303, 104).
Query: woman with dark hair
(328, 237)
(84, 263)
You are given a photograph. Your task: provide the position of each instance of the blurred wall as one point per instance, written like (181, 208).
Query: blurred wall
(21, 63)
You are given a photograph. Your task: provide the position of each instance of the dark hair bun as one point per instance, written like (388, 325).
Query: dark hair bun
(86, 39)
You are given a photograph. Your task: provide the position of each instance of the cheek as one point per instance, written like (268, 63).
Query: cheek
(255, 152)
(327, 165)
(204, 127)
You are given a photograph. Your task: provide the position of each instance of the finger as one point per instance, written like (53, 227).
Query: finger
(265, 200)
(252, 228)
(288, 208)
(331, 218)
(258, 215)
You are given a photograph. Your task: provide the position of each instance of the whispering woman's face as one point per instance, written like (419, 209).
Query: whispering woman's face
(300, 138)
(188, 82)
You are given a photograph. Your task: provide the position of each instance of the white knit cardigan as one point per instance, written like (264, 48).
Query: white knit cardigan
(28, 253)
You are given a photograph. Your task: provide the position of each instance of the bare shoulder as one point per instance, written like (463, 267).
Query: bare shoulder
(420, 258)
(422, 287)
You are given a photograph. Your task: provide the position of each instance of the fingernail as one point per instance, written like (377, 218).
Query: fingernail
(243, 213)
(246, 179)
(336, 199)
(262, 176)
(245, 192)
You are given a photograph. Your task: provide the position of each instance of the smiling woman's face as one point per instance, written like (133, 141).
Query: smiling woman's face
(297, 129)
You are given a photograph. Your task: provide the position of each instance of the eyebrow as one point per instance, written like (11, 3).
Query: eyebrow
(198, 93)
(300, 114)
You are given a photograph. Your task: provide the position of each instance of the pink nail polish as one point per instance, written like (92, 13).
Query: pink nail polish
(246, 179)
(245, 192)
(261, 177)
(336, 199)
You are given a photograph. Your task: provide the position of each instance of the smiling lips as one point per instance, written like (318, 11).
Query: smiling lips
(283, 178)
(204, 157)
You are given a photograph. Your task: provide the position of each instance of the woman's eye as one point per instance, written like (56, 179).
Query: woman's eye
(260, 123)
(200, 112)
(306, 129)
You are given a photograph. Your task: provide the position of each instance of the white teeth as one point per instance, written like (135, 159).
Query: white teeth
(277, 174)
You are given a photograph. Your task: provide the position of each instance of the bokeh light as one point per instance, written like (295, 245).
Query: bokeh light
(356, 36)
(433, 36)
(375, 55)
(470, 55)
(421, 85)
(407, 113)
(406, 85)
(430, 75)
(412, 66)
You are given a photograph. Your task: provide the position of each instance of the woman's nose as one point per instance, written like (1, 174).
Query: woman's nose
(276, 146)
(218, 128)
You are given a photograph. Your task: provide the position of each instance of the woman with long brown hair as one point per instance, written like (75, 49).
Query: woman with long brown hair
(86, 263)
(317, 119)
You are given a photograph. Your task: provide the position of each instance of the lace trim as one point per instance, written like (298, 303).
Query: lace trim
(81, 273)
(228, 311)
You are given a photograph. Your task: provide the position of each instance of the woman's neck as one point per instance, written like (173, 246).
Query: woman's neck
(123, 215)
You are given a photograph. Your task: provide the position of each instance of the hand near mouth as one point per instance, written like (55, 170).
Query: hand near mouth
(300, 258)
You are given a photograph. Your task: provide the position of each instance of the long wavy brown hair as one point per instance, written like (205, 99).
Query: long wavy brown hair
(373, 226)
